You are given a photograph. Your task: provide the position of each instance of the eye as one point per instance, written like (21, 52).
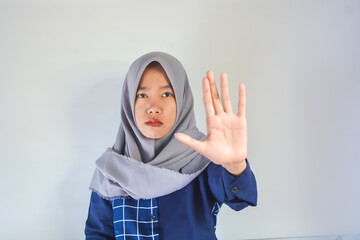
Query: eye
(167, 94)
(141, 95)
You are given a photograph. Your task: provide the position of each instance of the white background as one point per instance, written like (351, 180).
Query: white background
(62, 64)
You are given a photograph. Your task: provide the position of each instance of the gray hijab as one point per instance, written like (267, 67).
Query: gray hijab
(145, 168)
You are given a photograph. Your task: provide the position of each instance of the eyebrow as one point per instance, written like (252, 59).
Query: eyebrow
(162, 87)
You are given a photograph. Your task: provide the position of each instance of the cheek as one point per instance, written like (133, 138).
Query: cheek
(173, 111)
(137, 112)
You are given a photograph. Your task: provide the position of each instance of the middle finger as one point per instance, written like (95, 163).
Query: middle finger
(214, 92)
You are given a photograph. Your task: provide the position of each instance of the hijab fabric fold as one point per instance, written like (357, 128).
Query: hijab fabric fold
(145, 168)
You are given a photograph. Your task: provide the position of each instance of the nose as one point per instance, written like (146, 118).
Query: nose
(154, 109)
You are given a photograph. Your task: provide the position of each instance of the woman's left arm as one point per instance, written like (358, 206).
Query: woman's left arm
(226, 142)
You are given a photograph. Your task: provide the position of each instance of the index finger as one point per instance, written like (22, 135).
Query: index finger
(209, 107)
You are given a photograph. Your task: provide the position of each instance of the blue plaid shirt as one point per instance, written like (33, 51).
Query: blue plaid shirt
(189, 213)
(135, 219)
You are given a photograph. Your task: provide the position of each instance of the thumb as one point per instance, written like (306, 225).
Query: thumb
(191, 142)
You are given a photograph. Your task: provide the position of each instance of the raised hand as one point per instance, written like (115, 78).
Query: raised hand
(226, 142)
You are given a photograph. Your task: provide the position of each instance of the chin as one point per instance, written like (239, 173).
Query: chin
(153, 135)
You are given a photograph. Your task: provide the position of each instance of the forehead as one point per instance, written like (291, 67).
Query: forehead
(154, 76)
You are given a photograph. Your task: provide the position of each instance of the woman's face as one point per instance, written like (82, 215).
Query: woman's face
(155, 105)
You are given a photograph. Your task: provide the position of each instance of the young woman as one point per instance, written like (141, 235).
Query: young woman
(164, 179)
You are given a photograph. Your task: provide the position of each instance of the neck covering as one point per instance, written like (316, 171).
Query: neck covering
(141, 167)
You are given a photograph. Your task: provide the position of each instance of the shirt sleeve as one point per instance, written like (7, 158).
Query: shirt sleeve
(99, 224)
(237, 192)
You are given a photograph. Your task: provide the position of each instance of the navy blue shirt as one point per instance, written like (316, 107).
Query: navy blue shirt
(189, 213)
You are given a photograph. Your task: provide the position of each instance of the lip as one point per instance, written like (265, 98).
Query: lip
(154, 122)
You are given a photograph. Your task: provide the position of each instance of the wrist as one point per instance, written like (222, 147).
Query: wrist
(236, 169)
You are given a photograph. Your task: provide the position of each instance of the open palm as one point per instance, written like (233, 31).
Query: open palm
(226, 142)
